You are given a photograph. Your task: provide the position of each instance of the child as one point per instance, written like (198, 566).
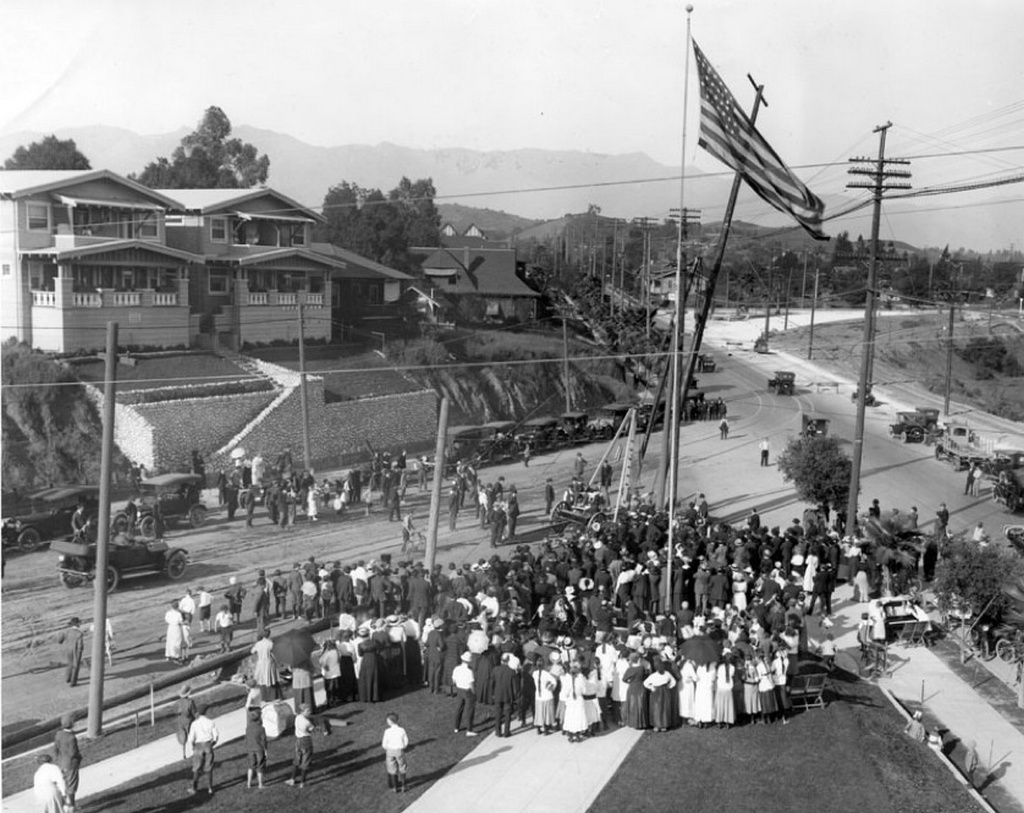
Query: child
(223, 624)
(395, 743)
(303, 747)
(204, 601)
(828, 651)
(256, 747)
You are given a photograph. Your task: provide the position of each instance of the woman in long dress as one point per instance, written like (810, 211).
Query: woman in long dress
(634, 713)
(751, 697)
(725, 704)
(780, 673)
(766, 690)
(660, 684)
(704, 694)
(48, 785)
(369, 673)
(264, 671)
(688, 691)
(348, 687)
(573, 689)
(544, 701)
(177, 634)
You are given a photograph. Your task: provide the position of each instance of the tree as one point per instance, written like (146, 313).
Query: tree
(208, 159)
(50, 153)
(819, 470)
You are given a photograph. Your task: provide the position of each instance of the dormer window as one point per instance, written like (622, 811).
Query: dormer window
(38, 216)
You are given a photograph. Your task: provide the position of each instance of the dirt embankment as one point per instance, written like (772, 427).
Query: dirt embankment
(987, 364)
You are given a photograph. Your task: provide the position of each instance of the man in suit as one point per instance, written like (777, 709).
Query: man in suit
(73, 646)
(504, 692)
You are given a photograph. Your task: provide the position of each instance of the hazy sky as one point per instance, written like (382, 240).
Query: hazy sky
(602, 75)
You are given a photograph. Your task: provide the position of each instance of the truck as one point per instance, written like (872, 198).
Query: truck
(963, 446)
(914, 427)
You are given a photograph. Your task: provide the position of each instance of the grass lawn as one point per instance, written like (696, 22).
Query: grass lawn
(850, 757)
(165, 371)
(348, 767)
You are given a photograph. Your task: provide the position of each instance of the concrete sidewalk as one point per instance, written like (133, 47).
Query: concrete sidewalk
(529, 772)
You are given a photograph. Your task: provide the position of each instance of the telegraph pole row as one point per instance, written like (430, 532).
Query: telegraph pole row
(879, 182)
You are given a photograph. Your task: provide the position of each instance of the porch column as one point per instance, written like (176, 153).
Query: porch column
(64, 286)
(183, 286)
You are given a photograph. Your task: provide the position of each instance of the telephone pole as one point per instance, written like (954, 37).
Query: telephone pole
(878, 183)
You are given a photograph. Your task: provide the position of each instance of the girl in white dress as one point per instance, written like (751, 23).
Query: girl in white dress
(725, 703)
(573, 689)
(687, 691)
(704, 694)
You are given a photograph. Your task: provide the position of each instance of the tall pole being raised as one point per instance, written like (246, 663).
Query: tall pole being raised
(435, 491)
(99, 612)
(878, 184)
(303, 401)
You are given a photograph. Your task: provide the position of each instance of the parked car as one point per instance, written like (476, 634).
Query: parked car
(706, 363)
(46, 515)
(179, 497)
(540, 433)
(126, 556)
(813, 425)
(915, 426)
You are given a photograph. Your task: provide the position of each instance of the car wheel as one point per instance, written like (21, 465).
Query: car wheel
(176, 564)
(69, 580)
(119, 523)
(147, 527)
(113, 578)
(29, 540)
(915, 434)
(196, 516)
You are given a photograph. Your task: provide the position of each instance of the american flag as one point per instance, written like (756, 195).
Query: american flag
(728, 134)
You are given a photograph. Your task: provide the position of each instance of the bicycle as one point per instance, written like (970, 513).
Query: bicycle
(1011, 649)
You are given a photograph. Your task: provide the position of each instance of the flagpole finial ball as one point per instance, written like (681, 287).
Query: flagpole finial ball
(689, 9)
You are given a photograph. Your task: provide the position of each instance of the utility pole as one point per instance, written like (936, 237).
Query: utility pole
(814, 304)
(803, 284)
(99, 611)
(949, 358)
(768, 304)
(878, 184)
(565, 362)
(435, 492)
(303, 399)
(789, 288)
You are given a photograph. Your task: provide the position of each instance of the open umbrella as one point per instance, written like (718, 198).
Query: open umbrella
(701, 649)
(237, 453)
(293, 647)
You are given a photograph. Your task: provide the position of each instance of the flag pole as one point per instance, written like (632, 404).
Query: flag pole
(677, 339)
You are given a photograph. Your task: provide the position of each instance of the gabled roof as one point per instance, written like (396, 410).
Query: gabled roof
(255, 255)
(226, 201)
(480, 271)
(355, 262)
(20, 183)
(109, 246)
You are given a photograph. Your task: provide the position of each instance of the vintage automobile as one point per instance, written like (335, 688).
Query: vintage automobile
(46, 515)
(540, 433)
(869, 396)
(783, 382)
(574, 428)
(179, 497)
(915, 426)
(497, 443)
(1008, 490)
(706, 363)
(608, 419)
(586, 509)
(813, 425)
(126, 556)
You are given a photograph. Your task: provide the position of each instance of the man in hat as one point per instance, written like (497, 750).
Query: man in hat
(73, 645)
(464, 682)
(68, 758)
(202, 739)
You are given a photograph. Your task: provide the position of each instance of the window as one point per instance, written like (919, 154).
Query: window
(147, 225)
(298, 235)
(218, 231)
(218, 283)
(38, 217)
(7, 269)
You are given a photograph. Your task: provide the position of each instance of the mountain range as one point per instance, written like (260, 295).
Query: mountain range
(531, 183)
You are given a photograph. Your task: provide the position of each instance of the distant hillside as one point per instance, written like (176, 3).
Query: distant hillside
(542, 184)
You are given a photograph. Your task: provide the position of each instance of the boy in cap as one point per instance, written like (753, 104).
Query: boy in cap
(255, 747)
(394, 743)
(303, 746)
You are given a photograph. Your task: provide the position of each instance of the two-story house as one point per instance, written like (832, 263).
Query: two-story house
(80, 248)
(258, 266)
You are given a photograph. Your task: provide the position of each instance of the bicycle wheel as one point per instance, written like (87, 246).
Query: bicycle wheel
(1005, 650)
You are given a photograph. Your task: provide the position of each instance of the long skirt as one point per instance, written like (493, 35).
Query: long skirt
(769, 704)
(725, 706)
(544, 713)
(593, 710)
(348, 686)
(575, 721)
(661, 707)
(634, 710)
(782, 698)
(751, 699)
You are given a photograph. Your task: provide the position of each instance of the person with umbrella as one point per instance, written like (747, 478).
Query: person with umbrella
(265, 668)
(294, 649)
